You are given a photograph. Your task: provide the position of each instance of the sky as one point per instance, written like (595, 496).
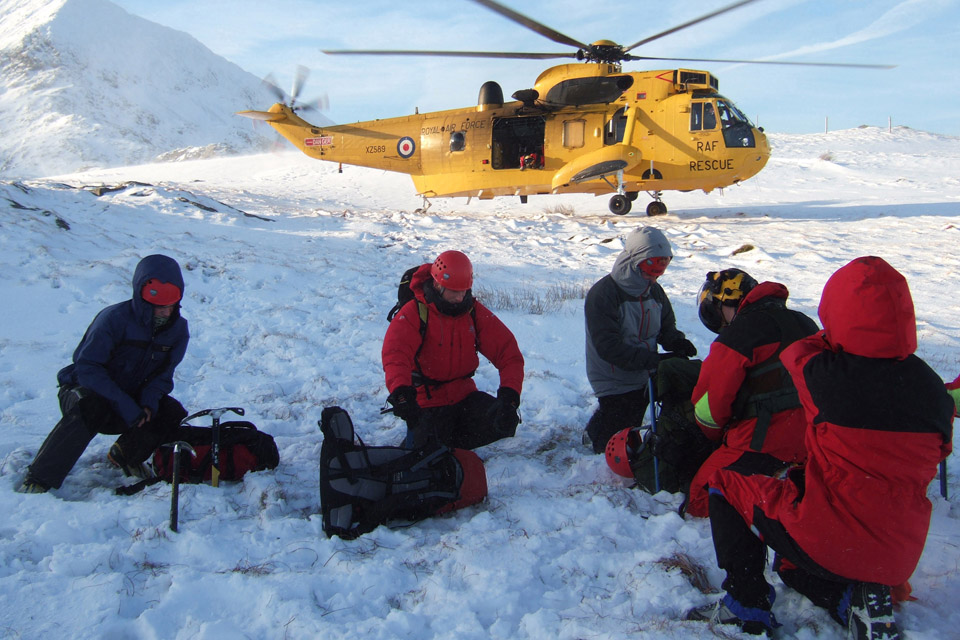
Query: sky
(287, 310)
(918, 36)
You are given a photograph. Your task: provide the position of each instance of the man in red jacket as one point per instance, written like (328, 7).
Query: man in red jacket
(430, 355)
(853, 520)
(744, 397)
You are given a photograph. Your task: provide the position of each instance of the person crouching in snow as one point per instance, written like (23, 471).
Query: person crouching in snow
(430, 355)
(626, 314)
(120, 380)
(853, 520)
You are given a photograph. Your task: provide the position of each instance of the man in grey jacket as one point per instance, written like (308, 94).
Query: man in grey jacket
(626, 315)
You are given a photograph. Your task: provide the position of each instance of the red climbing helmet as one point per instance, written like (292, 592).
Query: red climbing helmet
(452, 270)
(621, 448)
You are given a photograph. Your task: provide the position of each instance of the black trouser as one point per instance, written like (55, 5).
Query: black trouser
(616, 413)
(85, 414)
(468, 424)
(743, 556)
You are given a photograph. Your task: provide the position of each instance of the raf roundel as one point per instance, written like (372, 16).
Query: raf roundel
(406, 146)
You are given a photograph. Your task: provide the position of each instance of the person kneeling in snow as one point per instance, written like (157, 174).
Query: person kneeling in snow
(120, 380)
(626, 314)
(853, 520)
(430, 355)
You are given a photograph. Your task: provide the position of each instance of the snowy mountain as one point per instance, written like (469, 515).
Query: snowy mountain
(290, 268)
(85, 84)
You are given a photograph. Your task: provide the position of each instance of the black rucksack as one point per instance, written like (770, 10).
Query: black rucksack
(405, 295)
(363, 487)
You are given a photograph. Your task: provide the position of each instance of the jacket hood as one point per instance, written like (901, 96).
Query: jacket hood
(764, 290)
(161, 267)
(640, 244)
(866, 309)
(418, 279)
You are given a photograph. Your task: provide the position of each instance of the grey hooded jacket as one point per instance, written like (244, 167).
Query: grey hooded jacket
(626, 316)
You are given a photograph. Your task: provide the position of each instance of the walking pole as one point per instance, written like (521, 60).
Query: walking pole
(943, 478)
(653, 429)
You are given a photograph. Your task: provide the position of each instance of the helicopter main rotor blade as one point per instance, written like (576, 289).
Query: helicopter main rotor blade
(450, 54)
(531, 24)
(690, 23)
(781, 62)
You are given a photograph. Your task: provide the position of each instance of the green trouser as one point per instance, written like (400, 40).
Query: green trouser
(682, 447)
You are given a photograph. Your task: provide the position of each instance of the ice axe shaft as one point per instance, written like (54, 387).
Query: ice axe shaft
(215, 414)
(175, 481)
(652, 410)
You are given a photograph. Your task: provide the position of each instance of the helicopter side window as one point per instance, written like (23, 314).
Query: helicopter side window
(696, 116)
(616, 127)
(457, 141)
(573, 133)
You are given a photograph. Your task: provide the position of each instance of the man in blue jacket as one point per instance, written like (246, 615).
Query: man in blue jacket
(120, 380)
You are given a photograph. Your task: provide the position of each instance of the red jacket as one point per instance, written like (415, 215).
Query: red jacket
(762, 326)
(449, 352)
(878, 423)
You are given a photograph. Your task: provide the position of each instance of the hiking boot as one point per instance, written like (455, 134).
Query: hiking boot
(721, 612)
(32, 486)
(115, 456)
(871, 613)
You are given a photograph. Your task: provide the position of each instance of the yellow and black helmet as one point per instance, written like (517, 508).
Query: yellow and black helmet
(722, 288)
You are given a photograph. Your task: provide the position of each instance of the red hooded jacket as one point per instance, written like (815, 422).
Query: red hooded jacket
(449, 351)
(878, 422)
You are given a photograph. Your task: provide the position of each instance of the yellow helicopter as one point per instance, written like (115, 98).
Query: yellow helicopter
(582, 128)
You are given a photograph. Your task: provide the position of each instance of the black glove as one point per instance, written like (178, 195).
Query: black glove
(685, 349)
(507, 416)
(404, 402)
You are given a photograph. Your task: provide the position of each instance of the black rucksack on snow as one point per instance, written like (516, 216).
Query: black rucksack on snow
(363, 487)
(243, 448)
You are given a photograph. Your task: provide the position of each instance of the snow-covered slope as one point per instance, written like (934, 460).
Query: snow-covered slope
(290, 268)
(85, 84)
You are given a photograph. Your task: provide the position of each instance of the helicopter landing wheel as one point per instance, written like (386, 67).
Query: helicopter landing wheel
(632, 195)
(656, 208)
(620, 205)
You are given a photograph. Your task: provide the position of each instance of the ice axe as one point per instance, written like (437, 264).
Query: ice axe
(175, 494)
(652, 410)
(215, 414)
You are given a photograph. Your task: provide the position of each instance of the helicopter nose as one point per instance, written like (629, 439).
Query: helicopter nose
(754, 162)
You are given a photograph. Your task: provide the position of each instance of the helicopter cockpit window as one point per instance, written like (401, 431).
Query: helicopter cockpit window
(737, 130)
(616, 126)
(457, 141)
(709, 117)
(702, 116)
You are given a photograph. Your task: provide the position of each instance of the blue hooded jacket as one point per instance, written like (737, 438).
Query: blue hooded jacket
(121, 357)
